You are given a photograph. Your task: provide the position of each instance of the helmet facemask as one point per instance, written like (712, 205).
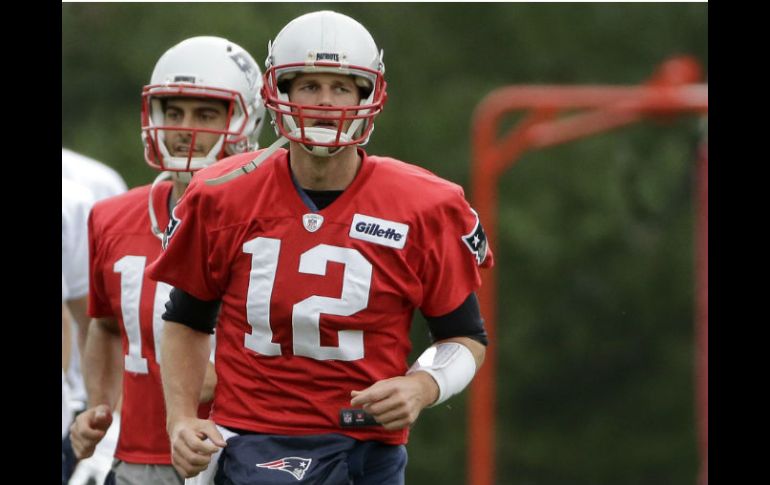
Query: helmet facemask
(232, 137)
(291, 119)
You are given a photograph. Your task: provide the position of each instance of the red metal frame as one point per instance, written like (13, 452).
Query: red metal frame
(671, 91)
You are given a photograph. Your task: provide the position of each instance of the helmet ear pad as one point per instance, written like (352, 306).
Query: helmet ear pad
(211, 68)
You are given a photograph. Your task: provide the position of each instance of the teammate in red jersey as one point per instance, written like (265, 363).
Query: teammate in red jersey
(314, 260)
(202, 104)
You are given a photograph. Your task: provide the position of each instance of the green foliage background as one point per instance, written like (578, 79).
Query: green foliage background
(595, 245)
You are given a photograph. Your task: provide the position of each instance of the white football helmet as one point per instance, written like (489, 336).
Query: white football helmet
(324, 41)
(203, 67)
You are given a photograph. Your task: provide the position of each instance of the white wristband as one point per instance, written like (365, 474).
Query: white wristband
(451, 365)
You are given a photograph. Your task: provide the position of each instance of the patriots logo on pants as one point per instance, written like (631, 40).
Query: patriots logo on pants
(293, 464)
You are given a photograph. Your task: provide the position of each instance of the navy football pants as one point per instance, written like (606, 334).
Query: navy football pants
(328, 459)
(68, 460)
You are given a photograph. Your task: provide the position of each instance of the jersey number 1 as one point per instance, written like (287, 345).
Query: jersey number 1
(131, 270)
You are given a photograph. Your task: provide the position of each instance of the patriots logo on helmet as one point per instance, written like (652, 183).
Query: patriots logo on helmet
(476, 240)
(173, 225)
(246, 66)
(295, 465)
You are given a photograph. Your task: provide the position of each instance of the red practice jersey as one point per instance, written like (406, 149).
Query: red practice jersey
(315, 305)
(121, 245)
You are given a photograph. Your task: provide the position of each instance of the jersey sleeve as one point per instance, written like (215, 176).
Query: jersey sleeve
(186, 261)
(455, 249)
(98, 301)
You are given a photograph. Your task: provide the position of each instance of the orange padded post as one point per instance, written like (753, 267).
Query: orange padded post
(671, 91)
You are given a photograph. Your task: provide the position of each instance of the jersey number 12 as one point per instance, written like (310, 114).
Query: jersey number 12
(306, 315)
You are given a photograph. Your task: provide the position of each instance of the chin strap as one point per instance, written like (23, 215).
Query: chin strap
(156, 231)
(243, 170)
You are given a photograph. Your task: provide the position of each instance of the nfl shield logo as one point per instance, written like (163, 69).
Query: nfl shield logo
(312, 222)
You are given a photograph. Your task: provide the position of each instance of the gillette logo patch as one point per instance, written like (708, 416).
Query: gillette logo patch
(379, 231)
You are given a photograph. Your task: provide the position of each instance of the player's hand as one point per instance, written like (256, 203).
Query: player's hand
(395, 403)
(88, 429)
(193, 441)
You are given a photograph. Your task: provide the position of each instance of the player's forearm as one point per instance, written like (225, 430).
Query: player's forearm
(79, 312)
(478, 350)
(209, 383)
(103, 363)
(66, 337)
(184, 358)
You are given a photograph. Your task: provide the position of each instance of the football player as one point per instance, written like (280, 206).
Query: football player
(76, 203)
(201, 105)
(102, 182)
(315, 260)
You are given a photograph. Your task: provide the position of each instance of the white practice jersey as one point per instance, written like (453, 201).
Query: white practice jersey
(102, 180)
(76, 203)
